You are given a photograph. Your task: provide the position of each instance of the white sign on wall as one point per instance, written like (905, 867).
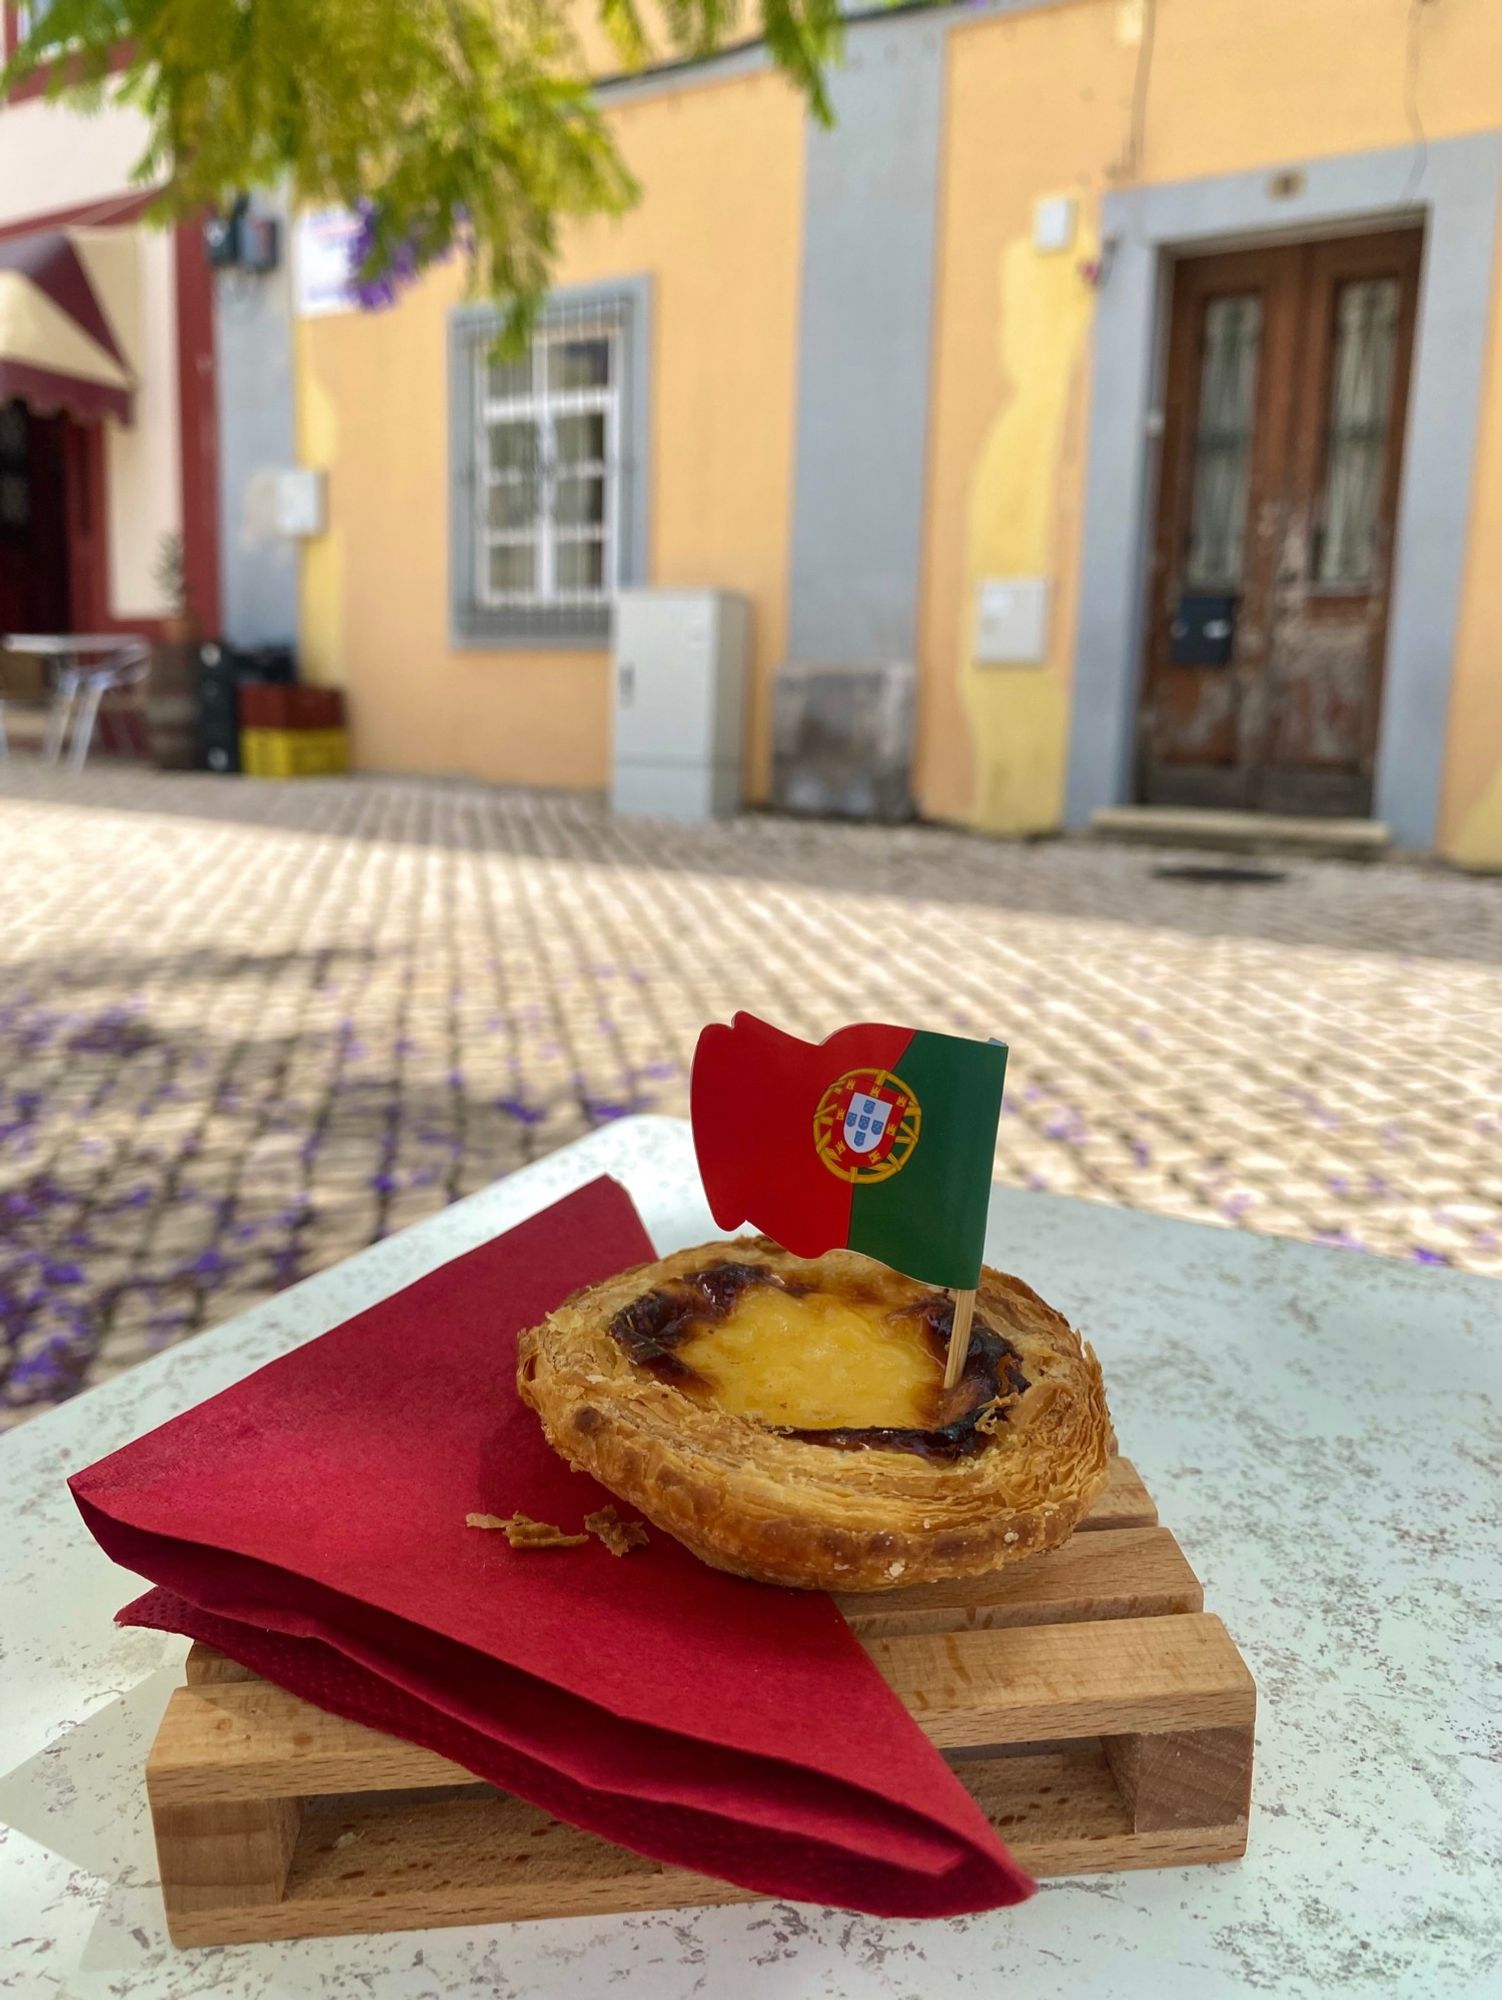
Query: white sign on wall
(301, 503)
(323, 263)
(1011, 621)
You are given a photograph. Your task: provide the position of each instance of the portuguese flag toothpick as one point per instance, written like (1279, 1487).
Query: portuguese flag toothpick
(880, 1139)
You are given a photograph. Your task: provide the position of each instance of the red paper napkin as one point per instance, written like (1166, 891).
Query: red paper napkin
(310, 1523)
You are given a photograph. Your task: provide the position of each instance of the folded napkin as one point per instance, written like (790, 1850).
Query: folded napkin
(310, 1522)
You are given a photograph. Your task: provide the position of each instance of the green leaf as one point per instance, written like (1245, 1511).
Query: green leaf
(463, 126)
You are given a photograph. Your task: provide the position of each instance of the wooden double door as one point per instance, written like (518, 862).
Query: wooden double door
(1286, 389)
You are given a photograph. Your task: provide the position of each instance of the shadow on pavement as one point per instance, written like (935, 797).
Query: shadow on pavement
(1403, 909)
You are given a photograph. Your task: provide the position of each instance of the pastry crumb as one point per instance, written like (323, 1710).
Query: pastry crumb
(522, 1532)
(994, 1415)
(619, 1536)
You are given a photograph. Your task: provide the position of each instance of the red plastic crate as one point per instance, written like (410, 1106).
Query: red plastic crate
(274, 707)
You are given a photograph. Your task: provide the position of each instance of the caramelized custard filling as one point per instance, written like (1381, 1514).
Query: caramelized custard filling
(858, 1367)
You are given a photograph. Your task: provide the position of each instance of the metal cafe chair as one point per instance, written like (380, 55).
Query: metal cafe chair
(85, 668)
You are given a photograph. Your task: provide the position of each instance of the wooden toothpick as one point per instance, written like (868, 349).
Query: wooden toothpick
(959, 1338)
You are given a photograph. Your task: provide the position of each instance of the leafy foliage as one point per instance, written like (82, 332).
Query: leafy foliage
(450, 124)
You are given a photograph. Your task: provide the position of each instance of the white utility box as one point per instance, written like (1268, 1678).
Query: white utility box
(680, 702)
(1011, 621)
(1053, 222)
(300, 502)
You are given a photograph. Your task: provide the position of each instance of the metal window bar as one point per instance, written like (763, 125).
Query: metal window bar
(1223, 441)
(1365, 349)
(553, 490)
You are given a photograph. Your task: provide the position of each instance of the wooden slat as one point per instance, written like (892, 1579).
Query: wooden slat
(1162, 1582)
(248, 1739)
(241, 1740)
(204, 1664)
(479, 1858)
(485, 1858)
(1183, 1778)
(1062, 1813)
(488, 1848)
(1060, 1681)
(225, 1850)
(1124, 1502)
(1115, 1573)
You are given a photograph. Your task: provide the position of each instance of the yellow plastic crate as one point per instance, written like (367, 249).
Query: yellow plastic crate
(293, 753)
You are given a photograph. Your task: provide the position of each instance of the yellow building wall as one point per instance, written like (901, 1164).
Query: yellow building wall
(1033, 107)
(1039, 104)
(1470, 827)
(719, 236)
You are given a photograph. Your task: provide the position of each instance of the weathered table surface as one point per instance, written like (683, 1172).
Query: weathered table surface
(1321, 1429)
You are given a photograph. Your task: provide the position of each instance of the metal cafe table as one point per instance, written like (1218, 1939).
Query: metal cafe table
(87, 667)
(1321, 1430)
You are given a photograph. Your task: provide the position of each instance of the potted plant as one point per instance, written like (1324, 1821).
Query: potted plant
(172, 689)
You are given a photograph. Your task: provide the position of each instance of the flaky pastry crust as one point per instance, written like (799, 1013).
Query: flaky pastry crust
(785, 1510)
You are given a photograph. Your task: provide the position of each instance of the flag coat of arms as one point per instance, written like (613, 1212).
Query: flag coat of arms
(879, 1139)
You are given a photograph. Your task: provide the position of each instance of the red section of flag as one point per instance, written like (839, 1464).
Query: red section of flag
(754, 1094)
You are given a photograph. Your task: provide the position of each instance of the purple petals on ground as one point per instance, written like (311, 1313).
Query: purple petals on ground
(601, 1110)
(208, 1263)
(524, 1114)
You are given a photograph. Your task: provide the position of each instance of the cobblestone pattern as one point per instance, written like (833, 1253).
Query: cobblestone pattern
(247, 1028)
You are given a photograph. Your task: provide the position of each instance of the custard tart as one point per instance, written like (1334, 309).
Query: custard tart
(786, 1417)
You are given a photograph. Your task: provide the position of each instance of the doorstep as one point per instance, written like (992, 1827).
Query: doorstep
(1243, 832)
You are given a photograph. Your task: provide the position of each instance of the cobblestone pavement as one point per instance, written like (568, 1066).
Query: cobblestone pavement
(247, 1028)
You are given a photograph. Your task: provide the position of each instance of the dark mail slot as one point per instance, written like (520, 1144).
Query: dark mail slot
(1202, 631)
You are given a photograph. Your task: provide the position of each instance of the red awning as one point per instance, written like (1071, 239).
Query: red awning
(60, 346)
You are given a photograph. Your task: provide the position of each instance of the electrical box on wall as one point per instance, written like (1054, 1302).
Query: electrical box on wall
(241, 238)
(300, 503)
(1053, 222)
(1011, 621)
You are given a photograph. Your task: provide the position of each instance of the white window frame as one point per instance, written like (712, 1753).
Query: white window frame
(542, 406)
(548, 613)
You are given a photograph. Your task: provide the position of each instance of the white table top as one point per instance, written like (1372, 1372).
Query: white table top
(1320, 1428)
(67, 644)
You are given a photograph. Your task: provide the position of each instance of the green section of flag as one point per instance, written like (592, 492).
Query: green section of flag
(929, 1219)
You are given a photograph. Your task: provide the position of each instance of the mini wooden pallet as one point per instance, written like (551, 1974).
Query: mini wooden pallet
(1098, 1715)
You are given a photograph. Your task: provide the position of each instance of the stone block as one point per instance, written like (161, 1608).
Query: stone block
(842, 740)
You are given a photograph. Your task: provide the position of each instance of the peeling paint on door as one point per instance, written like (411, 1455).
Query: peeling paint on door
(1287, 380)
